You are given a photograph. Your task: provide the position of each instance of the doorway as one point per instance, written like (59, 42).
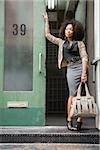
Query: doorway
(22, 102)
(56, 85)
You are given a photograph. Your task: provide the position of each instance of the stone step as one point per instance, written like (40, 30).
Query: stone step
(48, 134)
(48, 146)
(55, 120)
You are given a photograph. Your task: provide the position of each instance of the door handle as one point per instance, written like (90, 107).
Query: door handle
(40, 62)
(94, 63)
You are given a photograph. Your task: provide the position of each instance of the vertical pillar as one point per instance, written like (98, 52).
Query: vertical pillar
(81, 12)
(97, 55)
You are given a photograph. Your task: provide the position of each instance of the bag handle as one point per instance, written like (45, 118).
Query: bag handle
(86, 89)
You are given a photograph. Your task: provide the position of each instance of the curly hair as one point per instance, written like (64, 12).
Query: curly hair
(78, 30)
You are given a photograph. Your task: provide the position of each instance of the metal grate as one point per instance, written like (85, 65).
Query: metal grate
(54, 25)
(56, 95)
(51, 53)
(49, 135)
(52, 49)
(56, 87)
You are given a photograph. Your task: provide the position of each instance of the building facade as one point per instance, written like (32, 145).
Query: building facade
(32, 89)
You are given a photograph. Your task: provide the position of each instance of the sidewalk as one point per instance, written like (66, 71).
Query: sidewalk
(46, 146)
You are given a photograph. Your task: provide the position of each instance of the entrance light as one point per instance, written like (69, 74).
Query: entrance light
(50, 4)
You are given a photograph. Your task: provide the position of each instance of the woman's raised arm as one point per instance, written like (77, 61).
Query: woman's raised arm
(48, 35)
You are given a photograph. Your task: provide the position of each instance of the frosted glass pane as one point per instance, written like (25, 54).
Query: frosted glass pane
(18, 53)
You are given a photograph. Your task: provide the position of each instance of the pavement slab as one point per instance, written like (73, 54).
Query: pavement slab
(46, 146)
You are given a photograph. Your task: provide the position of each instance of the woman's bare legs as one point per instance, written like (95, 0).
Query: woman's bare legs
(69, 122)
(79, 119)
(69, 118)
(69, 107)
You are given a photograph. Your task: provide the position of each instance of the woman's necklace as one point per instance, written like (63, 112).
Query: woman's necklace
(70, 43)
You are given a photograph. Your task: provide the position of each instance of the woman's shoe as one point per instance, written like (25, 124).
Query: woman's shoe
(78, 126)
(70, 126)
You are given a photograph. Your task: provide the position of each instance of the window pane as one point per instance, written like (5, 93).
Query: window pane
(18, 54)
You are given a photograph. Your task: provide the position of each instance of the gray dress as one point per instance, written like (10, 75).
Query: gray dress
(74, 69)
(74, 77)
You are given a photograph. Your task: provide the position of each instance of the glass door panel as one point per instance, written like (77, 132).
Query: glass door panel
(18, 54)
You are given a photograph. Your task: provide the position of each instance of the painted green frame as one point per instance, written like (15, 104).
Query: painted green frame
(34, 115)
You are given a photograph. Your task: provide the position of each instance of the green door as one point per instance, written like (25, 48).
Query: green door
(22, 63)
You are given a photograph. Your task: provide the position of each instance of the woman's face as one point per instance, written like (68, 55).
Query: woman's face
(69, 31)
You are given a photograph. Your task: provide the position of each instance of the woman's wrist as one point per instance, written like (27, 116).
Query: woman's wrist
(46, 20)
(84, 74)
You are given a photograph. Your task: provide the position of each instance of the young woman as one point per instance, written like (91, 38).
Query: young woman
(72, 54)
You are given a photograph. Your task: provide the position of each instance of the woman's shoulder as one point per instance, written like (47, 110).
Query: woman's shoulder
(81, 43)
(61, 40)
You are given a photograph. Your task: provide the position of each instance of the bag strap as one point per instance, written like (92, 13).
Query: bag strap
(87, 90)
(79, 90)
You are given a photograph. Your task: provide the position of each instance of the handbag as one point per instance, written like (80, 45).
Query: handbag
(83, 106)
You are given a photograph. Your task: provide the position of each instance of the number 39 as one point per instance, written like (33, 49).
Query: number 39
(17, 29)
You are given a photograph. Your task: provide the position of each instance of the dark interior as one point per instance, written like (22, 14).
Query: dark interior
(56, 84)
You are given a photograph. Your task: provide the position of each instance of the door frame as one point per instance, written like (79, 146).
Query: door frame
(34, 114)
